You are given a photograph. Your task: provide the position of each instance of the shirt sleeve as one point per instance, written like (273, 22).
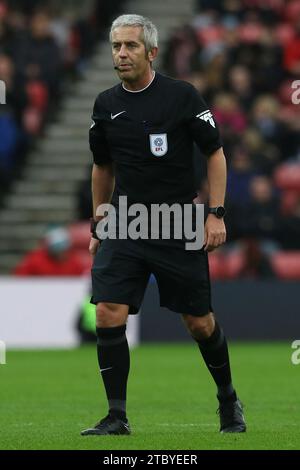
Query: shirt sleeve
(97, 138)
(201, 123)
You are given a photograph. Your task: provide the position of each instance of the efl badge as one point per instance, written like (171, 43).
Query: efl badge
(206, 116)
(158, 144)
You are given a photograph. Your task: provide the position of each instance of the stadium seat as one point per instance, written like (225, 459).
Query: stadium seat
(250, 32)
(284, 33)
(210, 34)
(292, 11)
(80, 235)
(287, 176)
(216, 265)
(227, 266)
(32, 121)
(285, 93)
(85, 259)
(288, 201)
(286, 265)
(37, 94)
(234, 263)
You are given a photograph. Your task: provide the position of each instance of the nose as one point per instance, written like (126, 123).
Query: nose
(123, 51)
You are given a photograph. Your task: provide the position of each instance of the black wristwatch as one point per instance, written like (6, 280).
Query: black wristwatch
(93, 228)
(219, 211)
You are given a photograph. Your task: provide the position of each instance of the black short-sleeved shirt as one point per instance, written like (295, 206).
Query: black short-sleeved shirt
(149, 136)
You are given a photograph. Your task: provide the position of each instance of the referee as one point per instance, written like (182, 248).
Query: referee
(142, 137)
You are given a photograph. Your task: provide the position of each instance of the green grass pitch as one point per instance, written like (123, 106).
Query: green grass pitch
(47, 397)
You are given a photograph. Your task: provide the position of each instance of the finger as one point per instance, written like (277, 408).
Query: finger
(222, 238)
(218, 241)
(205, 236)
(94, 251)
(93, 247)
(215, 242)
(206, 242)
(211, 248)
(210, 242)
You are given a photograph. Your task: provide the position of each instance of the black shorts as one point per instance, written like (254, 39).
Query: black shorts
(122, 268)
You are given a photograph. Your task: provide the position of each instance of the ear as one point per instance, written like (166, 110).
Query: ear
(152, 54)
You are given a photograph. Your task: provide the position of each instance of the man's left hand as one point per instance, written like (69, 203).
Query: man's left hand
(214, 233)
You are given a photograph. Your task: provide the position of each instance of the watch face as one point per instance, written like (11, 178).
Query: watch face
(220, 212)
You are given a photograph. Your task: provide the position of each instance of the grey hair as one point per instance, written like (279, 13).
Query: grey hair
(150, 34)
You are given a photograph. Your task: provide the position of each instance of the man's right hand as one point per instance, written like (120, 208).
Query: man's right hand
(94, 243)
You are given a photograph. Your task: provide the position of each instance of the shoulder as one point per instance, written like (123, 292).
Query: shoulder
(104, 97)
(180, 87)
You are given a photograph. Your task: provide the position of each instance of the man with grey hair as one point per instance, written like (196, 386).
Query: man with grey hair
(142, 138)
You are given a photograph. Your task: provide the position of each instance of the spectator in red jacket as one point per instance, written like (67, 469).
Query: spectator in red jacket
(53, 258)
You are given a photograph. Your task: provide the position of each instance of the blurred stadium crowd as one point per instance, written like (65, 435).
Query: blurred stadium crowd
(244, 58)
(41, 50)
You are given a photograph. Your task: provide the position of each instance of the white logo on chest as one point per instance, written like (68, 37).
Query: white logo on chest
(158, 144)
(113, 116)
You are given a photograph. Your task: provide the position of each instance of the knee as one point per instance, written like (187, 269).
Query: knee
(109, 315)
(200, 328)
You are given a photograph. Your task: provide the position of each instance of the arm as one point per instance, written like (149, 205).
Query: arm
(215, 231)
(205, 133)
(103, 179)
(103, 182)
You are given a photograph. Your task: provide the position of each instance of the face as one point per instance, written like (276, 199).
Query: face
(40, 25)
(129, 54)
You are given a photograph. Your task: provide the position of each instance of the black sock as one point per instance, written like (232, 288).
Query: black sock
(214, 351)
(114, 363)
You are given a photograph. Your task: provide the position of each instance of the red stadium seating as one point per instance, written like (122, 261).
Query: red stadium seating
(234, 264)
(227, 266)
(284, 33)
(286, 265)
(287, 176)
(32, 120)
(80, 239)
(86, 260)
(292, 11)
(216, 265)
(80, 235)
(289, 200)
(37, 94)
(285, 93)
